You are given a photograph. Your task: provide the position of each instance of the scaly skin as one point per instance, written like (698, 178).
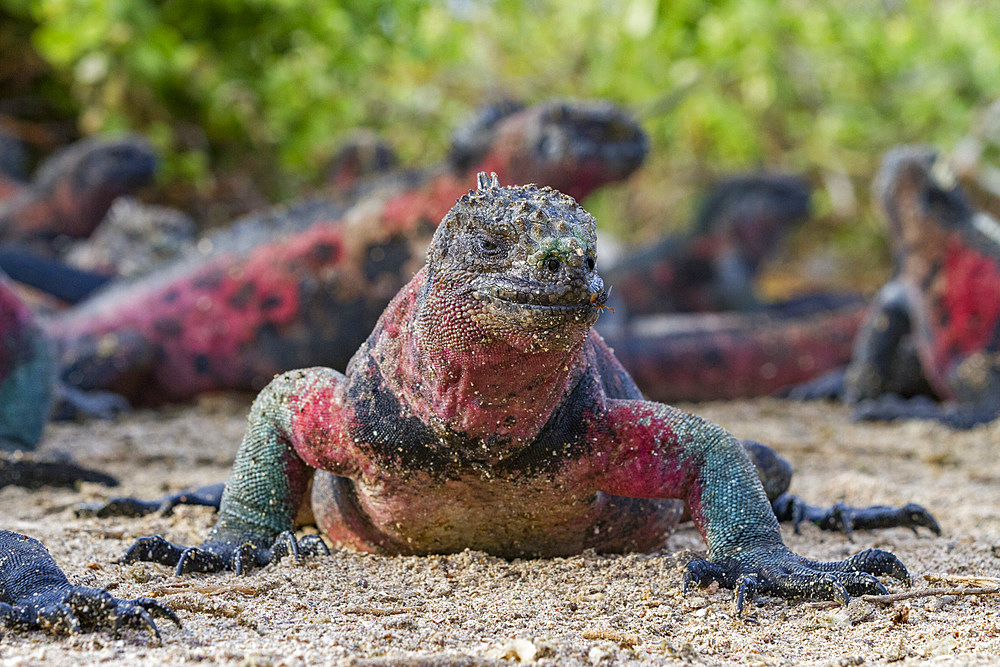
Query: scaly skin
(307, 293)
(483, 412)
(938, 321)
(73, 189)
(36, 595)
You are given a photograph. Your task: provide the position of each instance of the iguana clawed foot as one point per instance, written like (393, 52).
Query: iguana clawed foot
(205, 496)
(81, 609)
(845, 519)
(240, 554)
(35, 594)
(781, 573)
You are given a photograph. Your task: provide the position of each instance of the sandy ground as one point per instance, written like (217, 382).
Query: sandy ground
(472, 609)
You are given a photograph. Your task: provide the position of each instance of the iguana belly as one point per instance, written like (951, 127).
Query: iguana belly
(535, 519)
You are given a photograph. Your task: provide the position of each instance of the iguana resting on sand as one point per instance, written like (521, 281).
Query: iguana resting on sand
(74, 188)
(935, 327)
(483, 412)
(36, 595)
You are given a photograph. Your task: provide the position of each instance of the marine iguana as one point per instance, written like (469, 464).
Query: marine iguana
(712, 267)
(933, 331)
(484, 412)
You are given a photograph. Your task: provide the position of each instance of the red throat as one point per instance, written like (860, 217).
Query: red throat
(472, 380)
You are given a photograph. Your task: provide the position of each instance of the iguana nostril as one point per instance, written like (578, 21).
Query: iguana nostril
(553, 264)
(591, 263)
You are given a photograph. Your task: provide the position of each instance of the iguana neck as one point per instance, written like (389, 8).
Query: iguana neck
(468, 378)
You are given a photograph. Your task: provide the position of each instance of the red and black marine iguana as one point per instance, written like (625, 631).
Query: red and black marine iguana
(935, 327)
(483, 412)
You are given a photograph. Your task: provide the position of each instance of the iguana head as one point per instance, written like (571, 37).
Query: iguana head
(120, 164)
(87, 177)
(921, 199)
(519, 261)
(572, 146)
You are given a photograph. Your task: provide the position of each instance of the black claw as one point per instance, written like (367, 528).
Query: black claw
(878, 562)
(157, 609)
(284, 545)
(245, 559)
(313, 545)
(153, 549)
(141, 616)
(746, 591)
(194, 559)
(701, 573)
(861, 583)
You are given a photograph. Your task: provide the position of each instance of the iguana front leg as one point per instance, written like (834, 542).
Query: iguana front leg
(35, 594)
(655, 451)
(295, 425)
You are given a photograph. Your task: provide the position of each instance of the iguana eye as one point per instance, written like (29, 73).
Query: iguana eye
(491, 247)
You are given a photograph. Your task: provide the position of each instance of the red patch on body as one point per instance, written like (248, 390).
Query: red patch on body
(970, 305)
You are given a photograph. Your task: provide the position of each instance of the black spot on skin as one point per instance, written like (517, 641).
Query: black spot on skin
(271, 302)
(713, 357)
(210, 280)
(171, 295)
(242, 296)
(201, 363)
(324, 252)
(388, 257)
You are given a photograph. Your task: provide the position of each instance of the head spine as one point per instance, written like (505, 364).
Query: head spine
(484, 182)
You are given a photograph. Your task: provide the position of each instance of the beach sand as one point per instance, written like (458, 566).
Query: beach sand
(472, 609)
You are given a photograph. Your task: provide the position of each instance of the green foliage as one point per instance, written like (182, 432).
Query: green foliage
(821, 86)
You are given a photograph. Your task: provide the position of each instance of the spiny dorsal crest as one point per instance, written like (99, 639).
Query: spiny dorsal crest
(484, 182)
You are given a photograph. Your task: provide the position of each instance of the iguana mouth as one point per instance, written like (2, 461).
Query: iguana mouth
(524, 299)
